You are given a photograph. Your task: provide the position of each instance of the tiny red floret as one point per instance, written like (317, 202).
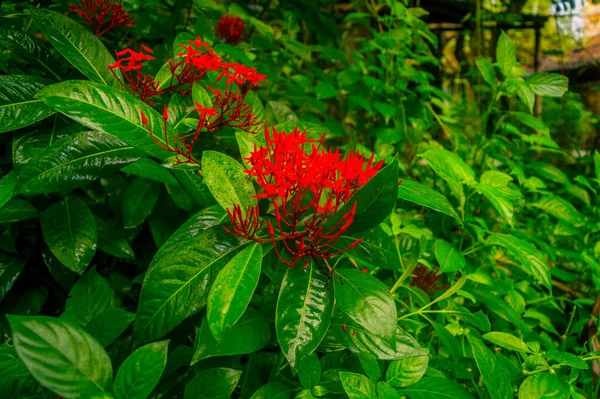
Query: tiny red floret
(103, 15)
(230, 29)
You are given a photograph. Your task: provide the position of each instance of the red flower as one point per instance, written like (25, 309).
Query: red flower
(131, 62)
(306, 185)
(428, 281)
(230, 29)
(103, 15)
(247, 225)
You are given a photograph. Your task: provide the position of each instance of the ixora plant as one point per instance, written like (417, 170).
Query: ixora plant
(163, 234)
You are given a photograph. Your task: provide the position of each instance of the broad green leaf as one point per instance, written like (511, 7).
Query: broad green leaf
(250, 334)
(548, 84)
(233, 289)
(405, 372)
(73, 162)
(449, 259)
(69, 229)
(365, 300)
(18, 108)
(109, 324)
(139, 200)
(507, 341)
(369, 363)
(196, 187)
(384, 391)
(108, 110)
(506, 56)
(12, 367)
(90, 296)
(478, 319)
(400, 346)
(227, 181)
(358, 386)
(25, 46)
(374, 201)
(17, 210)
(177, 282)
(410, 190)
(7, 187)
(438, 388)
(369, 252)
(494, 375)
(531, 259)
(217, 383)
(550, 172)
(447, 339)
(450, 167)
(526, 95)
(10, 269)
(77, 44)
(303, 312)
(561, 209)
(494, 186)
(568, 359)
(487, 71)
(543, 386)
(145, 167)
(62, 357)
(140, 372)
(112, 242)
(273, 390)
(531, 121)
(309, 371)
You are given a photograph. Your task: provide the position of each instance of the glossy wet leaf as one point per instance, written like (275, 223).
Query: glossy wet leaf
(227, 181)
(177, 282)
(366, 301)
(77, 44)
(27, 47)
(62, 357)
(405, 372)
(73, 162)
(10, 269)
(140, 372)
(139, 200)
(233, 289)
(303, 313)
(250, 334)
(420, 194)
(108, 110)
(374, 201)
(69, 229)
(217, 383)
(17, 210)
(18, 107)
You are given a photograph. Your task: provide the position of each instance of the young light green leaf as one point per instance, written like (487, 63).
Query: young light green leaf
(62, 357)
(506, 56)
(450, 167)
(449, 259)
(420, 194)
(487, 71)
(548, 84)
(358, 386)
(405, 372)
(507, 341)
(140, 372)
(233, 289)
(69, 229)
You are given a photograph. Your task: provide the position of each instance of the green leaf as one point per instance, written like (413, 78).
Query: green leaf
(247, 143)
(273, 390)
(233, 289)
(62, 357)
(369, 363)
(140, 372)
(531, 121)
(303, 312)
(309, 371)
(108, 325)
(177, 282)
(495, 377)
(139, 200)
(374, 201)
(250, 334)
(12, 367)
(494, 185)
(365, 300)
(450, 167)
(438, 388)
(108, 110)
(384, 391)
(77, 44)
(449, 259)
(543, 386)
(506, 56)
(18, 108)
(7, 187)
(145, 167)
(507, 341)
(405, 372)
(561, 209)
(531, 259)
(217, 383)
(400, 346)
(25, 46)
(422, 195)
(200, 95)
(90, 296)
(111, 241)
(17, 210)
(227, 181)
(567, 358)
(358, 386)
(10, 269)
(73, 162)
(548, 84)
(69, 229)
(278, 112)
(487, 71)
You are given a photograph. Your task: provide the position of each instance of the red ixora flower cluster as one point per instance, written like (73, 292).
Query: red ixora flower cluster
(307, 185)
(103, 15)
(230, 29)
(428, 281)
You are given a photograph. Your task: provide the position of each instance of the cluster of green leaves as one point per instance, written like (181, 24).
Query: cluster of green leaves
(475, 276)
